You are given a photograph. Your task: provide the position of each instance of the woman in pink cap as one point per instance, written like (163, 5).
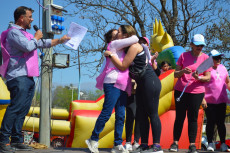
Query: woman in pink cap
(216, 97)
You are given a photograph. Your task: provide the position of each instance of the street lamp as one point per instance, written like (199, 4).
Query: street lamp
(72, 90)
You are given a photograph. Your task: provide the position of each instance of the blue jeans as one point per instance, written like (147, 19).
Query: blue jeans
(21, 94)
(117, 98)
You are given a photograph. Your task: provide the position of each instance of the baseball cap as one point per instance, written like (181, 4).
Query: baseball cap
(198, 39)
(215, 53)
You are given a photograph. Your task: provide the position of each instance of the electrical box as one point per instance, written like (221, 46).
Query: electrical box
(54, 19)
(60, 60)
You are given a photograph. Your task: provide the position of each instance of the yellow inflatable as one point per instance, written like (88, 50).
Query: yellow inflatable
(58, 127)
(160, 39)
(4, 99)
(83, 122)
(84, 119)
(58, 114)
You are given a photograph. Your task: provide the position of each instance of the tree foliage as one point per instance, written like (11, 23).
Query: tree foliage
(218, 36)
(62, 96)
(181, 20)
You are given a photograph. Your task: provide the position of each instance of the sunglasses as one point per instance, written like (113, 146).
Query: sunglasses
(217, 57)
(199, 45)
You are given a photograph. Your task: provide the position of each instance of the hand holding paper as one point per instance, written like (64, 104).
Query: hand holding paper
(205, 65)
(77, 33)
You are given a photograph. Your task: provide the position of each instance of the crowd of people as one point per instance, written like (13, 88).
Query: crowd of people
(191, 90)
(129, 79)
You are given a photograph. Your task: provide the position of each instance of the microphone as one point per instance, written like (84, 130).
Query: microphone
(36, 29)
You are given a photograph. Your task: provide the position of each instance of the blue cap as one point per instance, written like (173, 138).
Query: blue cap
(198, 39)
(215, 53)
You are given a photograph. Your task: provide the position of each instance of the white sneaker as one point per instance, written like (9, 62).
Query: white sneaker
(224, 148)
(128, 146)
(135, 146)
(211, 147)
(92, 145)
(119, 149)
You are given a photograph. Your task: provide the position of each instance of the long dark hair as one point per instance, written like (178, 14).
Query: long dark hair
(108, 36)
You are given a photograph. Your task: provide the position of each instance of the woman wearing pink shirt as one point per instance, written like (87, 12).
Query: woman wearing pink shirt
(216, 98)
(193, 95)
(116, 84)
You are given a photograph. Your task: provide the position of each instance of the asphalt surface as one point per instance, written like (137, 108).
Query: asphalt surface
(84, 150)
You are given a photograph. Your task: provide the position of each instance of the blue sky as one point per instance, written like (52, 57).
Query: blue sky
(60, 76)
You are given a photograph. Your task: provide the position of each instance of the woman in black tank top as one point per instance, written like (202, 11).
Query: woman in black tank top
(147, 92)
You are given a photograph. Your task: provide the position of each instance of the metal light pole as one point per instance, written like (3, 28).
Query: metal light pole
(72, 91)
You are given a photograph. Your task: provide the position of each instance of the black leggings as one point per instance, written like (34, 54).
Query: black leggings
(189, 103)
(215, 114)
(147, 94)
(131, 110)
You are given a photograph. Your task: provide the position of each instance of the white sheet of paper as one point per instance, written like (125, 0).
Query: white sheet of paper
(205, 65)
(77, 33)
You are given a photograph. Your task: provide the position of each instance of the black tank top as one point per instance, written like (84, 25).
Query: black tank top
(139, 61)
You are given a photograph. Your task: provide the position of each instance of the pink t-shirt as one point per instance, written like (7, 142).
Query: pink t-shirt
(187, 60)
(215, 89)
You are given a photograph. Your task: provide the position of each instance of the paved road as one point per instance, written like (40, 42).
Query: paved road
(83, 150)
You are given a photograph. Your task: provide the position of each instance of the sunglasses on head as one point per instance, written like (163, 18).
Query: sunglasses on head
(217, 57)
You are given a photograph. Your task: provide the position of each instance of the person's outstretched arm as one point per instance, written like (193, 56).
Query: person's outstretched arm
(131, 54)
(123, 43)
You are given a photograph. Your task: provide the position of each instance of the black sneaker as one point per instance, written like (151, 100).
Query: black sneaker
(21, 147)
(173, 147)
(154, 149)
(141, 148)
(192, 149)
(6, 148)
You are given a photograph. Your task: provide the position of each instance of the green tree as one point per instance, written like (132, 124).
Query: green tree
(218, 37)
(62, 97)
(94, 95)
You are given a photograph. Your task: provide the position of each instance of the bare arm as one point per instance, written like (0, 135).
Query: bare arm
(204, 104)
(154, 57)
(205, 78)
(228, 83)
(179, 71)
(129, 57)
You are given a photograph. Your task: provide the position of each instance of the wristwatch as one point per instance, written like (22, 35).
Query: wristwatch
(110, 55)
